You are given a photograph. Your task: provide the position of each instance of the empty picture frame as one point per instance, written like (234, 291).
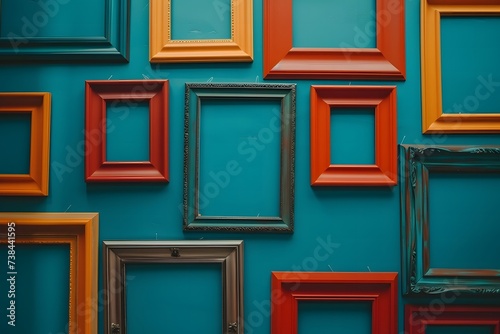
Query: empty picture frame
(164, 49)
(383, 100)
(433, 118)
(129, 92)
(227, 253)
(198, 92)
(290, 288)
(36, 183)
(283, 60)
(111, 46)
(419, 317)
(416, 164)
(81, 232)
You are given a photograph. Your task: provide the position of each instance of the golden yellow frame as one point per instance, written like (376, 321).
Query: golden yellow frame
(36, 183)
(162, 49)
(433, 118)
(80, 231)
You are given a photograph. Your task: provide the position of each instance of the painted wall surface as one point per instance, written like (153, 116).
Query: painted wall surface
(336, 228)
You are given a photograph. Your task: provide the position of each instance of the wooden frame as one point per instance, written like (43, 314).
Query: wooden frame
(384, 171)
(97, 94)
(289, 288)
(433, 118)
(417, 318)
(228, 253)
(113, 46)
(195, 93)
(80, 231)
(36, 183)
(282, 60)
(416, 162)
(163, 49)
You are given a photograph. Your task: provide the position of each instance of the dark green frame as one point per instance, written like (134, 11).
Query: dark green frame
(195, 92)
(112, 47)
(416, 161)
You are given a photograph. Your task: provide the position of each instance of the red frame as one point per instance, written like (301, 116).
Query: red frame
(417, 318)
(282, 60)
(97, 93)
(288, 288)
(384, 171)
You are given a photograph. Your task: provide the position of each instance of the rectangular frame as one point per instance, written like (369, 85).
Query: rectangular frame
(282, 60)
(195, 93)
(112, 47)
(384, 171)
(36, 183)
(433, 118)
(416, 162)
(163, 49)
(417, 317)
(288, 288)
(227, 253)
(81, 232)
(97, 94)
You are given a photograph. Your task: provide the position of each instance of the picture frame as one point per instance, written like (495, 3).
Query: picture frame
(419, 317)
(112, 46)
(164, 49)
(434, 120)
(195, 94)
(283, 61)
(416, 163)
(36, 182)
(100, 92)
(289, 288)
(383, 99)
(227, 253)
(80, 231)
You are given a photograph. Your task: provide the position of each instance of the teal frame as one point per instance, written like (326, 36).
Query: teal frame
(112, 47)
(416, 162)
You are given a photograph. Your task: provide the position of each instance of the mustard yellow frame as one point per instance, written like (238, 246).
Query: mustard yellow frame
(239, 48)
(80, 231)
(433, 118)
(36, 183)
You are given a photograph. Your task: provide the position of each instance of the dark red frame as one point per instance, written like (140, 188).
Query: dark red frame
(288, 288)
(97, 94)
(283, 61)
(417, 318)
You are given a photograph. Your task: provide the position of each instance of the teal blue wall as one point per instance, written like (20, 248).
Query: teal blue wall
(360, 225)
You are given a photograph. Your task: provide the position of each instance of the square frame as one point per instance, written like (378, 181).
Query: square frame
(282, 60)
(384, 171)
(416, 162)
(417, 318)
(113, 46)
(97, 94)
(288, 288)
(36, 183)
(163, 49)
(195, 93)
(81, 232)
(227, 253)
(433, 118)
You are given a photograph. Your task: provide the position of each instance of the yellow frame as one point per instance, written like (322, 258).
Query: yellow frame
(36, 183)
(433, 118)
(162, 49)
(80, 231)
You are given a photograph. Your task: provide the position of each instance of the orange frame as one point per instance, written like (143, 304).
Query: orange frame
(384, 171)
(80, 231)
(163, 49)
(283, 60)
(289, 288)
(36, 183)
(433, 118)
